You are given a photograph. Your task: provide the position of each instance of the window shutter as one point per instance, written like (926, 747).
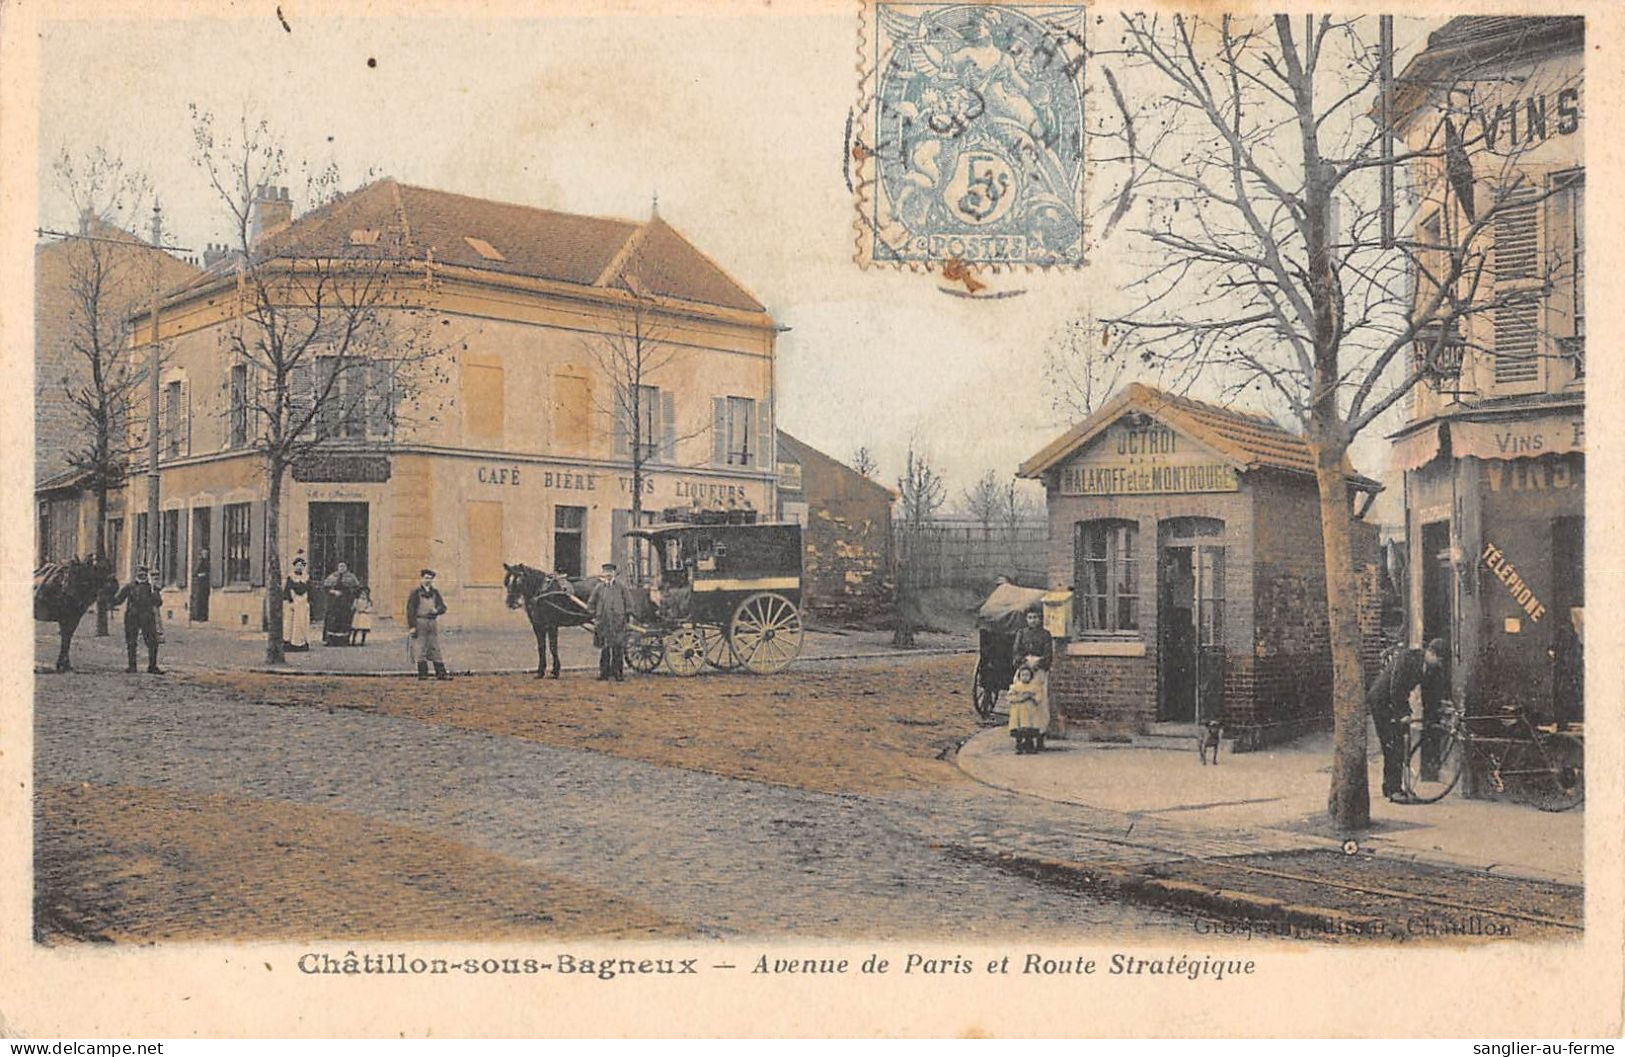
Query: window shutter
(1517, 320)
(623, 397)
(379, 399)
(300, 379)
(619, 521)
(256, 544)
(186, 410)
(183, 561)
(217, 553)
(764, 435)
(719, 430)
(668, 426)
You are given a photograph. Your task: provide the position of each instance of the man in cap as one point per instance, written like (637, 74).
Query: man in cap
(424, 608)
(611, 605)
(141, 601)
(1390, 702)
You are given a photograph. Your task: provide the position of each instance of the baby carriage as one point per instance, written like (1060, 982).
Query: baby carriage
(997, 621)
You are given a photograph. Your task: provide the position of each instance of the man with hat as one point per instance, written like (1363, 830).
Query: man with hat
(611, 605)
(141, 618)
(424, 608)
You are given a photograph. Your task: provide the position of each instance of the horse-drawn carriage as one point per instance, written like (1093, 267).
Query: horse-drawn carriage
(727, 595)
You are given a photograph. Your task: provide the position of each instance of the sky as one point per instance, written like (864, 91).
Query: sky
(737, 123)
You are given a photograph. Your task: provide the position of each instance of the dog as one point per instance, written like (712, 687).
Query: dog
(1208, 738)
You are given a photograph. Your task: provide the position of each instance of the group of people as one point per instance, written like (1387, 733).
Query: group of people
(346, 616)
(1028, 699)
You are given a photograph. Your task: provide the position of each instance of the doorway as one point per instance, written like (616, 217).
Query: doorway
(202, 569)
(1436, 623)
(569, 526)
(1190, 621)
(338, 533)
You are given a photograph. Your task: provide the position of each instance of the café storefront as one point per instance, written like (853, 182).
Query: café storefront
(1189, 537)
(1495, 508)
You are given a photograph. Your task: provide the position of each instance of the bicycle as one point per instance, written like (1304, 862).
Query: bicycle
(1540, 766)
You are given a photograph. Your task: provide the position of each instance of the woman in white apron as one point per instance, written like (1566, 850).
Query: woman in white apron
(296, 609)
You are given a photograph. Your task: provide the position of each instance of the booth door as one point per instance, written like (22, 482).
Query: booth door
(1190, 633)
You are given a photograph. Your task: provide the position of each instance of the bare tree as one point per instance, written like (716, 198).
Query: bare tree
(1252, 162)
(863, 461)
(1082, 367)
(106, 272)
(922, 491)
(333, 340)
(983, 501)
(1016, 508)
(634, 355)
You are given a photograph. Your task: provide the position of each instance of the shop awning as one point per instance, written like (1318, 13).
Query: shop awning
(1417, 450)
(1525, 439)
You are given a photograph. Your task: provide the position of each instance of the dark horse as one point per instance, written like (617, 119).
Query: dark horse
(551, 602)
(64, 591)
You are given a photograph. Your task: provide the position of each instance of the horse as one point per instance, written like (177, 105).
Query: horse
(63, 592)
(551, 602)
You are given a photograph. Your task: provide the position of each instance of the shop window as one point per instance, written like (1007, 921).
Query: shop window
(569, 528)
(238, 533)
(1106, 576)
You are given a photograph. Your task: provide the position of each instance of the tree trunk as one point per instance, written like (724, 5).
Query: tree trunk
(1349, 801)
(101, 552)
(273, 565)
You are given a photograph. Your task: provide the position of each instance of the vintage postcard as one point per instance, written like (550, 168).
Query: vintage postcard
(901, 519)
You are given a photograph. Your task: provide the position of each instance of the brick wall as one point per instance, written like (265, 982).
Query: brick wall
(847, 540)
(1106, 695)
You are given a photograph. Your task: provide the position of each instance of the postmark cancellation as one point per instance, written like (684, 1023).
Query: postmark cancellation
(966, 147)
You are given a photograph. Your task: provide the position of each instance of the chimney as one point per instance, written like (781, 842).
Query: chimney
(214, 253)
(272, 211)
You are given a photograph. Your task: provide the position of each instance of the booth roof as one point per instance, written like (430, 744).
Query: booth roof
(1248, 441)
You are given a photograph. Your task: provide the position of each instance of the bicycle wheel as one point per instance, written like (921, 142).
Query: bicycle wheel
(1554, 776)
(1430, 788)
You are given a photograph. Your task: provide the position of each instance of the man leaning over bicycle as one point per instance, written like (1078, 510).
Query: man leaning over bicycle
(1389, 699)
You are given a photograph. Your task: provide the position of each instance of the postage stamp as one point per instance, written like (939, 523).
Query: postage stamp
(967, 144)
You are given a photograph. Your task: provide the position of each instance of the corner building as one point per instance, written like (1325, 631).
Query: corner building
(511, 453)
(1189, 537)
(1493, 452)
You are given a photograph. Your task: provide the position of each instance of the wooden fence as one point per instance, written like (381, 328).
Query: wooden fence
(960, 555)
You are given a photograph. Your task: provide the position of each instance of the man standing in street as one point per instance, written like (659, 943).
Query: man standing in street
(1390, 702)
(611, 606)
(140, 618)
(424, 607)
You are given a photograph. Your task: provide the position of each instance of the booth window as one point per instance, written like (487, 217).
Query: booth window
(1106, 575)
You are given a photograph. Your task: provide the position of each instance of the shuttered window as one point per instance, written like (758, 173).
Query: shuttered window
(482, 403)
(1517, 316)
(572, 413)
(1565, 243)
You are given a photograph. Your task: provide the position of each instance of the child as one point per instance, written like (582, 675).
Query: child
(361, 618)
(1029, 715)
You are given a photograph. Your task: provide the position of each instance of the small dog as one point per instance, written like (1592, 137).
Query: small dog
(1208, 738)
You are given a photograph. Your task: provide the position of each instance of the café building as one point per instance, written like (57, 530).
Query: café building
(1188, 536)
(513, 451)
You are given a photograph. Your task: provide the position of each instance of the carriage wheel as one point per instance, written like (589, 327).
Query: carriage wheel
(644, 651)
(983, 698)
(685, 650)
(719, 650)
(766, 633)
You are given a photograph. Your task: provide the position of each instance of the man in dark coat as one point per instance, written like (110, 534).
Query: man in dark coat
(611, 605)
(142, 602)
(1389, 699)
(424, 608)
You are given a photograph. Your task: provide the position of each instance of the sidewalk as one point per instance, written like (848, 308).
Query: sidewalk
(469, 651)
(1276, 798)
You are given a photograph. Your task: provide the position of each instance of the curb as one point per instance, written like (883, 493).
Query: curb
(266, 669)
(1137, 887)
(1374, 845)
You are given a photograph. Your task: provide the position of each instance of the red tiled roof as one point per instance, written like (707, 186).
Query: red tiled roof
(391, 219)
(1249, 441)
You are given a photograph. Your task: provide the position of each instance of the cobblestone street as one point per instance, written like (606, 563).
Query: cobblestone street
(221, 807)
